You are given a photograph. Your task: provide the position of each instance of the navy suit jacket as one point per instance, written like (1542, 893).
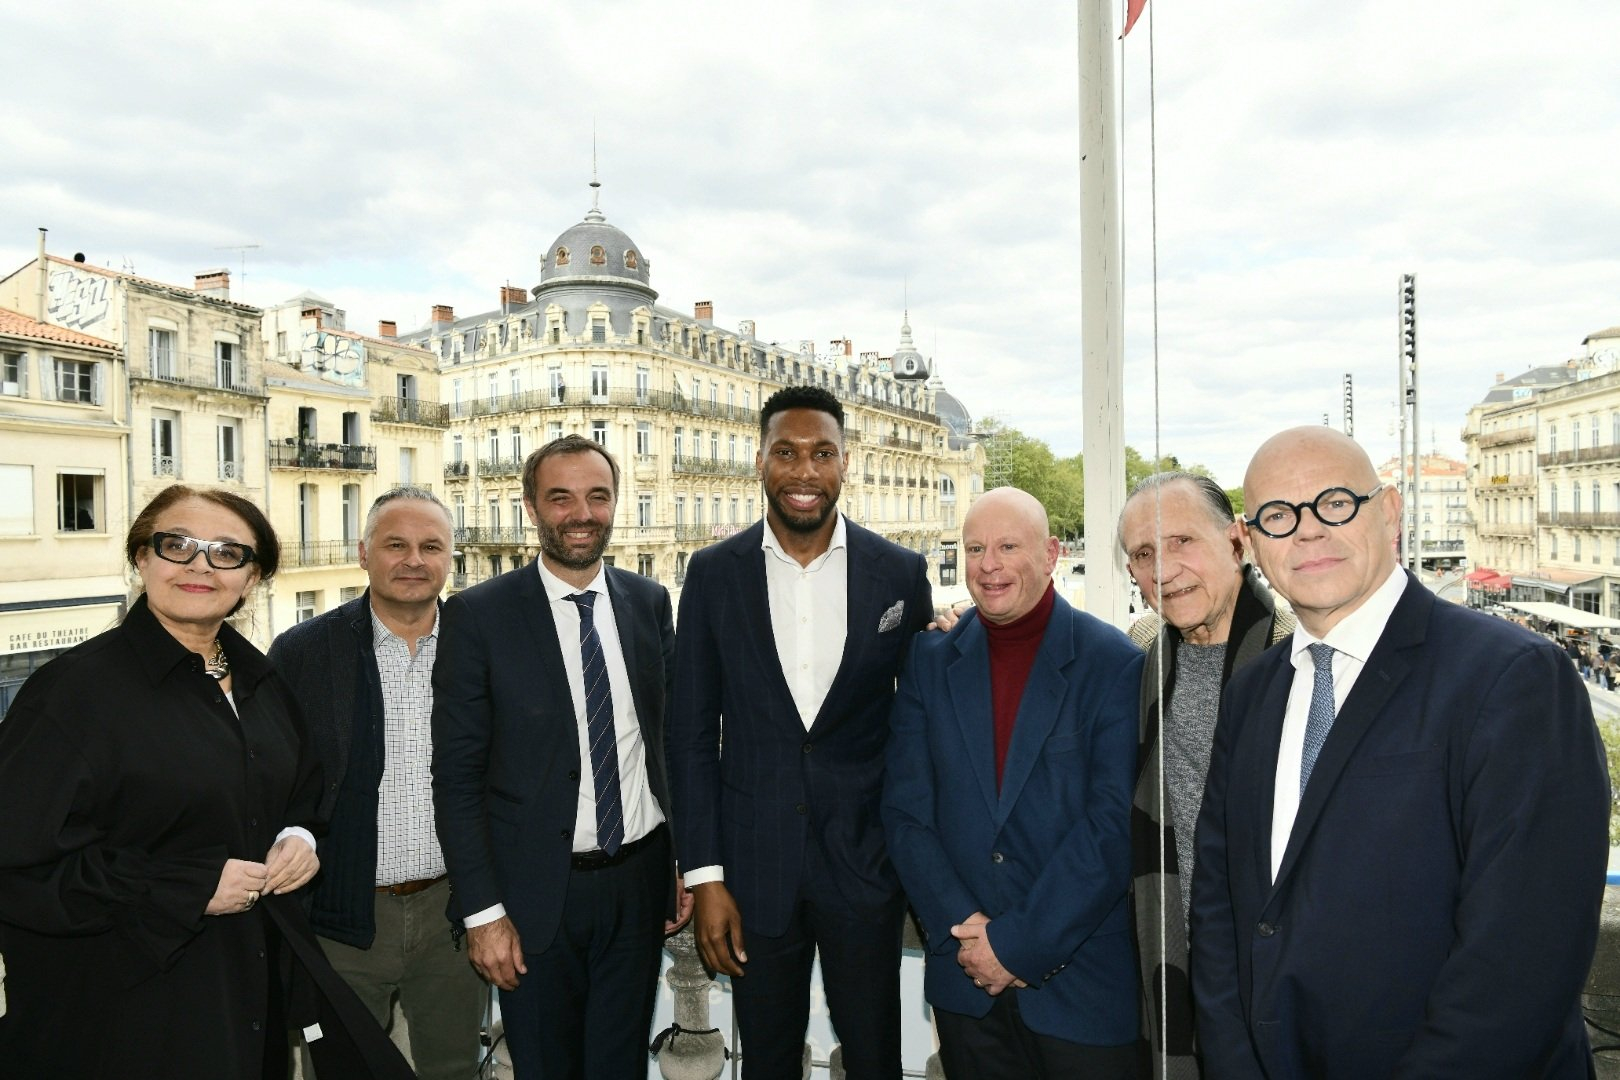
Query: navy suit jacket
(1047, 856)
(777, 788)
(1437, 905)
(506, 764)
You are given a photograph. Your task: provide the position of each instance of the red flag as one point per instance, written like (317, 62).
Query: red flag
(1133, 9)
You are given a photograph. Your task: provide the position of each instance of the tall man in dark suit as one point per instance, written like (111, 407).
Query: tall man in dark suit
(1402, 848)
(362, 673)
(548, 778)
(1007, 805)
(791, 634)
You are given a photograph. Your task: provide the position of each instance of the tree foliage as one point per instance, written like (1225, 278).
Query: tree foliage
(1013, 459)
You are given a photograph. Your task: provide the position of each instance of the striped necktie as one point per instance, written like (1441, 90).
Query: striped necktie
(599, 729)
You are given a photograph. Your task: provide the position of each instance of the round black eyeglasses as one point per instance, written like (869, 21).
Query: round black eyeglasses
(1335, 506)
(221, 554)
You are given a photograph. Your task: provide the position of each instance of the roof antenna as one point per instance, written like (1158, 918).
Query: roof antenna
(596, 185)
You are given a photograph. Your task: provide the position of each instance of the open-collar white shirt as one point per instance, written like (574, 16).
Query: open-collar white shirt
(1353, 639)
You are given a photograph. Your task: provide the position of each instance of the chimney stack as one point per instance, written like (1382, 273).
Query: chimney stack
(215, 283)
(387, 328)
(312, 313)
(704, 311)
(513, 295)
(443, 313)
(1500, 376)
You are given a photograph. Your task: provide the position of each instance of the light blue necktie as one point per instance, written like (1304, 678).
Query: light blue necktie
(1320, 718)
(599, 729)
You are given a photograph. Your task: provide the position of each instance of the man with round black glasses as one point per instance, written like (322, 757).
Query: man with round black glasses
(1402, 848)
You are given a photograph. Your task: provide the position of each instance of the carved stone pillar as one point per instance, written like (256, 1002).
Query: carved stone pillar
(692, 1049)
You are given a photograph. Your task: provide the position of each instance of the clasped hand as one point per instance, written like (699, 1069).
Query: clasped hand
(978, 957)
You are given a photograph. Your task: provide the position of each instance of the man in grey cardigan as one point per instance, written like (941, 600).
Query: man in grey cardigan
(1185, 552)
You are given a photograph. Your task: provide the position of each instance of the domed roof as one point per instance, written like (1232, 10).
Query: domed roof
(907, 362)
(593, 249)
(952, 413)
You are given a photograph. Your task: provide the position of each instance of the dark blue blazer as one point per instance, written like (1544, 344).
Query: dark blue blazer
(1437, 906)
(506, 763)
(330, 662)
(776, 788)
(1047, 857)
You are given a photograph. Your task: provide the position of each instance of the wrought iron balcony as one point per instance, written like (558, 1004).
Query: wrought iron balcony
(294, 453)
(400, 410)
(297, 555)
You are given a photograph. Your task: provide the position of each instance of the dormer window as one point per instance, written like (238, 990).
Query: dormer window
(561, 258)
(598, 255)
(630, 261)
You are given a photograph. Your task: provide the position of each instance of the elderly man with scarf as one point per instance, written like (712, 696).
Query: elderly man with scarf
(1185, 552)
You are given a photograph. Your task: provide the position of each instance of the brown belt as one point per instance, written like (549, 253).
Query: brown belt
(410, 888)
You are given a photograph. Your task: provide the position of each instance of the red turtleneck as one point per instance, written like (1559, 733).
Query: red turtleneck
(1012, 653)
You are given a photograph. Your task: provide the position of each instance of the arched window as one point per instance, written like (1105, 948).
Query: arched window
(630, 261)
(598, 255)
(561, 258)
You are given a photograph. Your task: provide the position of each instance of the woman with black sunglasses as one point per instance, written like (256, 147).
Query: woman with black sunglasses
(156, 801)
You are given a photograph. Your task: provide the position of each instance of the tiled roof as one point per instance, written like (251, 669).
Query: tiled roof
(16, 324)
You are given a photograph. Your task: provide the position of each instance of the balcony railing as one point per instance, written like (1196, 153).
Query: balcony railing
(711, 467)
(1505, 528)
(233, 385)
(319, 553)
(1586, 455)
(500, 467)
(705, 533)
(456, 470)
(1512, 435)
(481, 535)
(400, 410)
(164, 465)
(230, 470)
(1607, 519)
(291, 453)
(645, 534)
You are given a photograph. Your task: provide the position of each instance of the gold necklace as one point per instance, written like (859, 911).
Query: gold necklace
(218, 666)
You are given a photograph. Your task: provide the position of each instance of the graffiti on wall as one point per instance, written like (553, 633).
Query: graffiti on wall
(78, 301)
(338, 359)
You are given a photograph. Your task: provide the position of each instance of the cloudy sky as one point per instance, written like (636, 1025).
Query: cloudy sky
(810, 166)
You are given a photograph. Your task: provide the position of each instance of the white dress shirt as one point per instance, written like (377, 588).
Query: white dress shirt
(809, 619)
(1352, 639)
(641, 812)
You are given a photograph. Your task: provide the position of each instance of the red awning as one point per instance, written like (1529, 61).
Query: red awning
(1482, 574)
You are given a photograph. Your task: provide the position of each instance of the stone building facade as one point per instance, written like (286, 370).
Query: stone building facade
(1544, 458)
(675, 397)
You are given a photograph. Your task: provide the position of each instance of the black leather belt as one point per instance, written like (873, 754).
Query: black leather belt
(601, 860)
(410, 888)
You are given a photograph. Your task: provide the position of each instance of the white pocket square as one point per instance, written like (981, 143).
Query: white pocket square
(891, 618)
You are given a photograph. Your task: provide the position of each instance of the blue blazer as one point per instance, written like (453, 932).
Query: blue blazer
(506, 763)
(1437, 906)
(777, 787)
(1047, 857)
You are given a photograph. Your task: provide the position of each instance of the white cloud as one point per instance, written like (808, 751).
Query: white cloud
(809, 166)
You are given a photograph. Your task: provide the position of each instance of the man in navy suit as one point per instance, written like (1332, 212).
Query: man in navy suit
(1402, 849)
(1007, 807)
(548, 779)
(791, 634)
